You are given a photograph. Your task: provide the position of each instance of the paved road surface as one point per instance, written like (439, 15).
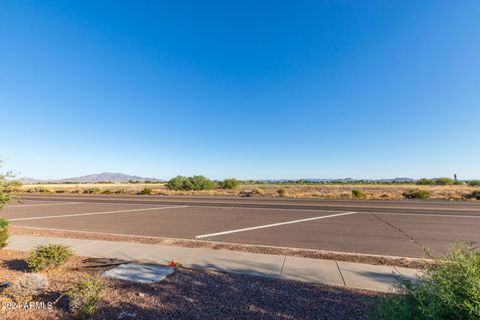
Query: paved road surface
(399, 228)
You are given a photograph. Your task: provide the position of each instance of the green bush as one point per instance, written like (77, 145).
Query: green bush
(449, 289)
(474, 183)
(425, 182)
(84, 296)
(48, 256)
(359, 194)
(146, 190)
(176, 183)
(444, 181)
(190, 183)
(474, 195)
(4, 224)
(417, 194)
(229, 183)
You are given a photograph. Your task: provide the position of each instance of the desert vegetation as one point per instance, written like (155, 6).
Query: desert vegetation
(49, 256)
(449, 289)
(186, 186)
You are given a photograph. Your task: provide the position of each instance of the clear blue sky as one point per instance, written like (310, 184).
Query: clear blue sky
(247, 89)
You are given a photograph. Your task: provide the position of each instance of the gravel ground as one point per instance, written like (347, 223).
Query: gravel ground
(193, 294)
(304, 253)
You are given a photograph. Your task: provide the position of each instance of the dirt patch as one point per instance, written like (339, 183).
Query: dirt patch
(194, 294)
(304, 253)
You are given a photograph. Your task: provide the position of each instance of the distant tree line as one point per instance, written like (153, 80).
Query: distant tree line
(200, 183)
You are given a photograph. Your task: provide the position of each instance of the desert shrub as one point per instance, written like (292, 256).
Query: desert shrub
(48, 256)
(85, 295)
(4, 224)
(359, 194)
(425, 182)
(282, 192)
(92, 190)
(444, 181)
(190, 183)
(449, 289)
(7, 188)
(39, 189)
(474, 183)
(59, 191)
(474, 195)
(229, 183)
(14, 185)
(416, 194)
(146, 190)
(27, 287)
(259, 191)
(176, 183)
(120, 191)
(106, 191)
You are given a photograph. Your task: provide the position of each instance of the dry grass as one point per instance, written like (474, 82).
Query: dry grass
(379, 191)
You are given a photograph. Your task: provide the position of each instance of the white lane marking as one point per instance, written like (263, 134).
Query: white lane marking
(41, 204)
(95, 213)
(273, 225)
(424, 214)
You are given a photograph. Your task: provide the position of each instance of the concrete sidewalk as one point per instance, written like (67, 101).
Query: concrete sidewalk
(330, 272)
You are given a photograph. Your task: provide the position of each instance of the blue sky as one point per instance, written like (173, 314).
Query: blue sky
(246, 89)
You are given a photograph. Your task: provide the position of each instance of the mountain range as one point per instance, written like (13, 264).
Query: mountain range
(95, 178)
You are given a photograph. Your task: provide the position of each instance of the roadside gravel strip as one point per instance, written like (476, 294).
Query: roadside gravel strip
(294, 252)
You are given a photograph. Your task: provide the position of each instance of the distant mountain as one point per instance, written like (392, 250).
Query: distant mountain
(93, 178)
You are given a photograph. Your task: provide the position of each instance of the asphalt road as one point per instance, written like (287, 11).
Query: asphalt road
(398, 228)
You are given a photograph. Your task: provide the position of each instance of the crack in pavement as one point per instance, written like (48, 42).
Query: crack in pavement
(425, 249)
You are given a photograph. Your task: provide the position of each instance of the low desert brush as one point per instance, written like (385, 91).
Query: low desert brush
(146, 191)
(449, 289)
(48, 256)
(85, 295)
(359, 194)
(4, 224)
(27, 287)
(416, 194)
(92, 191)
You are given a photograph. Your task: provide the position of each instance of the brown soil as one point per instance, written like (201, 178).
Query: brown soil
(193, 294)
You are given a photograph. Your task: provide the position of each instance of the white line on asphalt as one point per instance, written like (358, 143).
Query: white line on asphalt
(41, 204)
(273, 225)
(95, 213)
